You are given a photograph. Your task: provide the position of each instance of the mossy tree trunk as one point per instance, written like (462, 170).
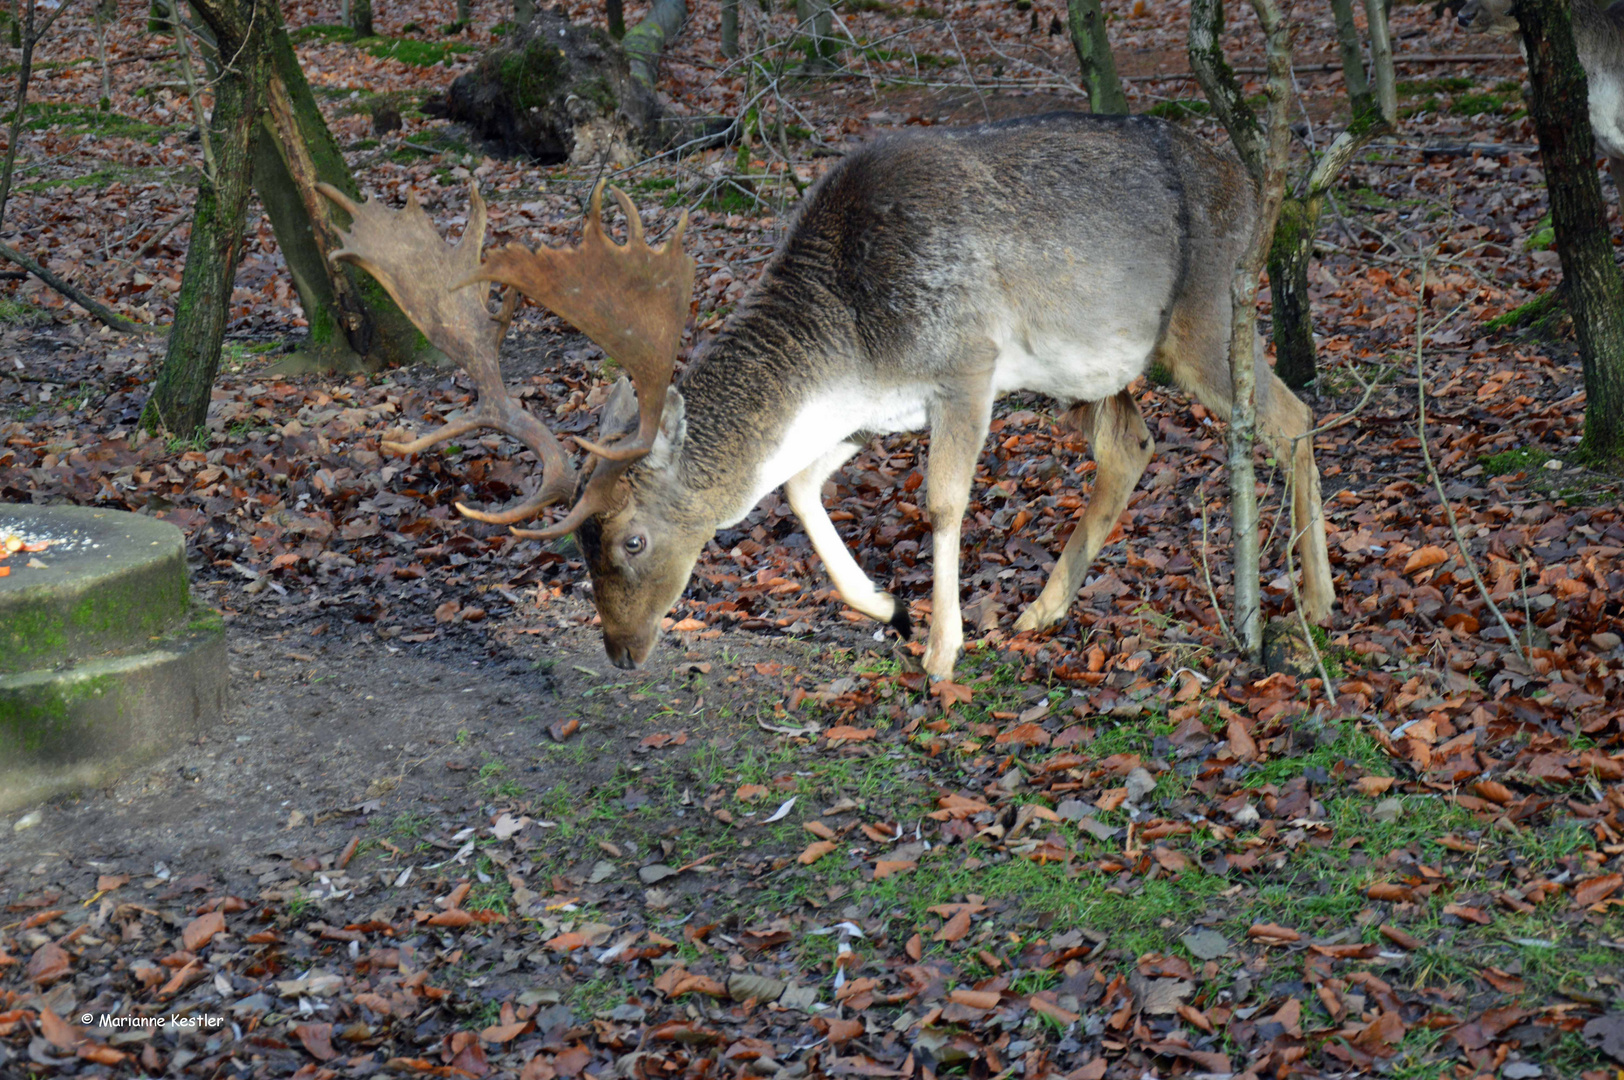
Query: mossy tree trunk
(360, 18)
(179, 402)
(643, 42)
(1353, 62)
(617, 18)
(1559, 105)
(1099, 73)
(352, 321)
(1289, 256)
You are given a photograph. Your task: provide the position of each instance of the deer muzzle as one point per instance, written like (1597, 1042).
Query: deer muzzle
(628, 649)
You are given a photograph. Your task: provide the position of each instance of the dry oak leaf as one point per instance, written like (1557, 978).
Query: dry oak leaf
(1241, 744)
(1389, 891)
(454, 917)
(975, 999)
(501, 1033)
(1494, 791)
(819, 829)
(318, 1040)
(951, 693)
(884, 868)
(842, 1032)
(569, 942)
(201, 930)
(1273, 933)
(1595, 890)
(957, 807)
(1023, 735)
(1381, 1034)
(699, 984)
(956, 927)
(1044, 1002)
(49, 963)
(815, 851)
(1423, 558)
(846, 733)
(57, 1031)
(1400, 938)
(40, 918)
(751, 792)
(101, 1055)
(1471, 914)
(1373, 785)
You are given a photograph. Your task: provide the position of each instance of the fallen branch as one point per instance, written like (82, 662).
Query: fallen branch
(104, 315)
(1463, 58)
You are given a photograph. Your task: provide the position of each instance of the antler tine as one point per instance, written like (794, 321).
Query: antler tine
(409, 258)
(632, 299)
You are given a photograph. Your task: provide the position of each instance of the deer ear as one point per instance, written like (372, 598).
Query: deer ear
(619, 412)
(673, 429)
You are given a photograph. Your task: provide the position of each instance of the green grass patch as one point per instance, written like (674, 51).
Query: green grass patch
(1522, 459)
(407, 50)
(72, 119)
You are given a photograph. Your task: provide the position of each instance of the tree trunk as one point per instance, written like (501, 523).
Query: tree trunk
(816, 20)
(1559, 105)
(353, 322)
(360, 18)
(617, 19)
(179, 403)
(1289, 256)
(1353, 61)
(643, 42)
(1099, 73)
(730, 28)
(1266, 150)
(465, 14)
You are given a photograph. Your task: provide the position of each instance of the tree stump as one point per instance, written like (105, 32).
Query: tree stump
(558, 92)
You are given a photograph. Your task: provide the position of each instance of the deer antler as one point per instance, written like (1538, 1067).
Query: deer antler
(409, 258)
(631, 299)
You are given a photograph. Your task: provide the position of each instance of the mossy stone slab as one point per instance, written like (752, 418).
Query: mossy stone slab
(79, 727)
(112, 582)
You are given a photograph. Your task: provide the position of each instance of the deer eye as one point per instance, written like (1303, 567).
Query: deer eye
(635, 544)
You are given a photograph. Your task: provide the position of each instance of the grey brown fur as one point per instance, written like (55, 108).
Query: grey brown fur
(926, 274)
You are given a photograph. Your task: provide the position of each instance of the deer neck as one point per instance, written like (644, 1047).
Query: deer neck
(773, 394)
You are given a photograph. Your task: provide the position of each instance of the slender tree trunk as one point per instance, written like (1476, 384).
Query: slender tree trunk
(730, 28)
(179, 403)
(1289, 257)
(1559, 104)
(361, 18)
(817, 25)
(1353, 61)
(465, 13)
(1265, 149)
(616, 11)
(1099, 73)
(25, 72)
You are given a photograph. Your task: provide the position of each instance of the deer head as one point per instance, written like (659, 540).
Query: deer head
(632, 300)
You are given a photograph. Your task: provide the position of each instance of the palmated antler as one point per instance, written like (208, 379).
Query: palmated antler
(632, 299)
(423, 272)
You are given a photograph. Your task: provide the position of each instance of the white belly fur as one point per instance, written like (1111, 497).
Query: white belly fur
(1064, 370)
(1607, 112)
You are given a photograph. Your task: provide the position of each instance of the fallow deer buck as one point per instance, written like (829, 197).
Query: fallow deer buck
(1598, 34)
(925, 275)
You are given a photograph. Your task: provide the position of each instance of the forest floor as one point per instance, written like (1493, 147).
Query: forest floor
(439, 834)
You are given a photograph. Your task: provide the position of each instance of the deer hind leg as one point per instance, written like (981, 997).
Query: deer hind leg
(1122, 447)
(1284, 420)
(958, 427)
(805, 493)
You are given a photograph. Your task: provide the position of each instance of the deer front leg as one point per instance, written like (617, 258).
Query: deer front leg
(805, 493)
(1122, 446)
(958, 427)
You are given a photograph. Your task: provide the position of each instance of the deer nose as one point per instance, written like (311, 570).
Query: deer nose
(619, 655)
